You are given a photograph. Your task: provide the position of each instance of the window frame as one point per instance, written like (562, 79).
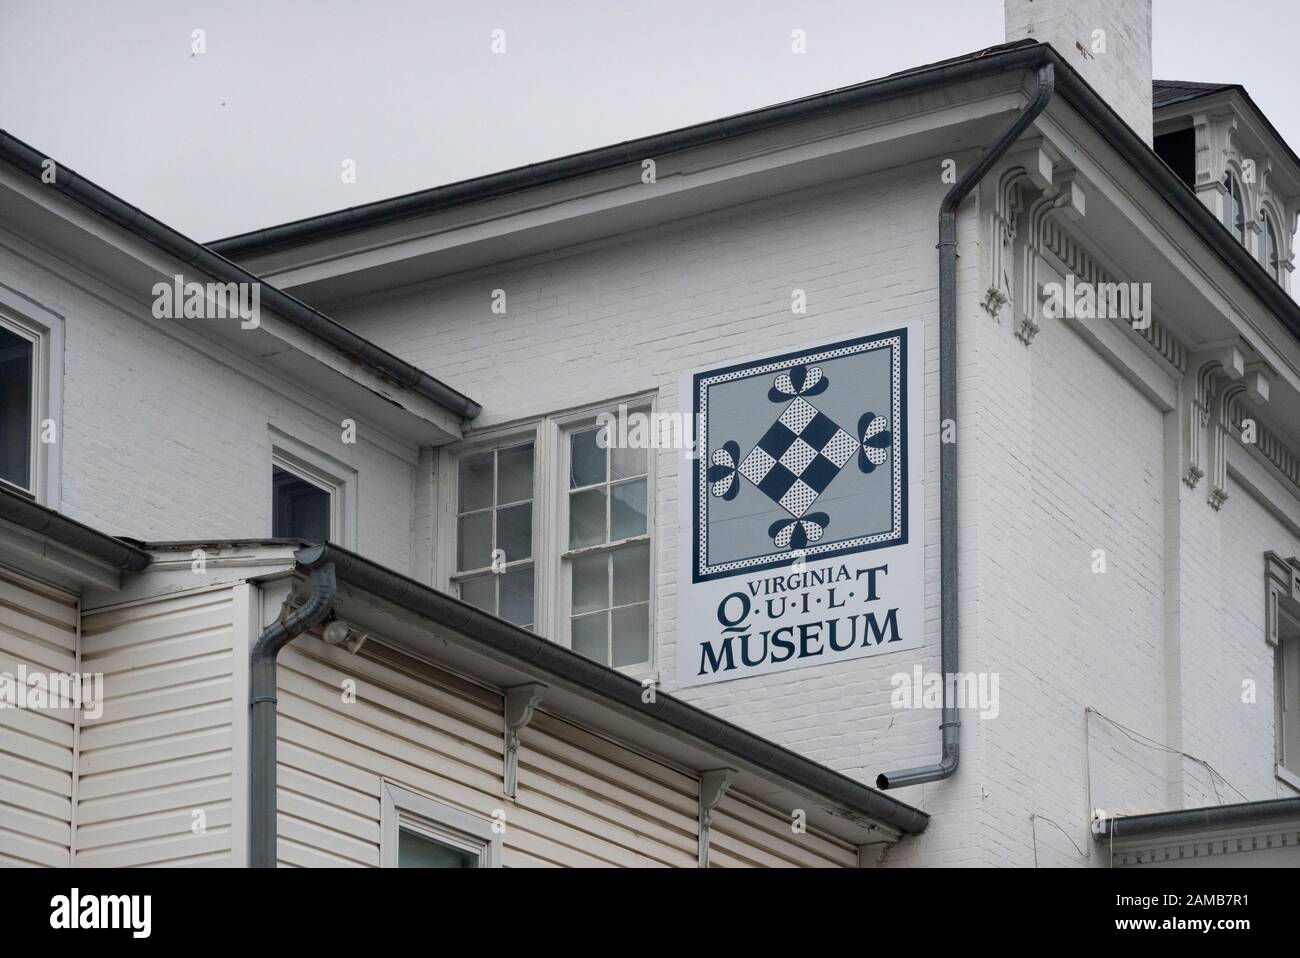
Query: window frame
(567, 426)
(1235, 203)
(1282, 580)
(552, 584)
(449, 560)
(46, 338)
(1271, 237)
(401, 808)
(322, 471)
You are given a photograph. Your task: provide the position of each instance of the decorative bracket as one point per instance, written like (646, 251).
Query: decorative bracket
(1228, 362)
(713, 788)
(521, 702)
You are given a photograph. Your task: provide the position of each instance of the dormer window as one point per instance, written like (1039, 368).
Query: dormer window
(1234, 208)
(1269, 249)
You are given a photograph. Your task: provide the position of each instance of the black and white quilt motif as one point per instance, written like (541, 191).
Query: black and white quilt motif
(801, 454)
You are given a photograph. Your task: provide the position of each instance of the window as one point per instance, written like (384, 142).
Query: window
(1234, 208)
(1269, 249)
(1282, 579)
(418, 832)
(313, 496)
(18, 407)
(553, 530)
(300, 510)
(608, 554)
(494, 531)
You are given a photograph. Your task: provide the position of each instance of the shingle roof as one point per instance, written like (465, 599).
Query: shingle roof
(1166, 92)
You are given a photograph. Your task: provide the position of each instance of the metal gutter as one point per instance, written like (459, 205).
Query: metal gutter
(548, 661)
(950, 725)
(313, 322)
(263, 825)
(1243, 814)
(29, 515)
(1022, 55)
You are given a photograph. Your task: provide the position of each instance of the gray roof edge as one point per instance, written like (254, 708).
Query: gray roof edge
(538, 655)
(1022, 55)
(31, 161)
(991, 61)
(1241, 814)
(32, 516)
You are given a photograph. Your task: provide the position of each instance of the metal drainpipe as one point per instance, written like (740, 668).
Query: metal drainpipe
(951, 725)
(262, 733)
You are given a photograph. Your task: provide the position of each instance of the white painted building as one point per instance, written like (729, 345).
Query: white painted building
(1096, 516)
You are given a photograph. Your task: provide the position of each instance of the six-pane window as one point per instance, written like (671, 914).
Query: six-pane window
(494, 532)
(608, 555)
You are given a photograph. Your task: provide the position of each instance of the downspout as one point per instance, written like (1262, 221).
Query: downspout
(262, 732)
(951, 725)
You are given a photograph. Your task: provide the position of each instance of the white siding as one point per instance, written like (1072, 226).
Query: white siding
(582, 800)
(165, 745)
(38, 630)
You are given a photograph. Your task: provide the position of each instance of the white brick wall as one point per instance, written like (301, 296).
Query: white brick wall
(1059, 455)
(160, 441)
(1116, 61)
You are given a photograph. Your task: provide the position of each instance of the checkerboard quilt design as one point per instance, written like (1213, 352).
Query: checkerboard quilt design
(798, 456)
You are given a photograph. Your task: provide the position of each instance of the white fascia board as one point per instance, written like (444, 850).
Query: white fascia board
(129, 264)
(796, 156)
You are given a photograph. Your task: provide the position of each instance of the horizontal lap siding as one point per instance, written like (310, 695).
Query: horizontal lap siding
(582, 801)
(745, 834)
(163, 749)
(38, 630)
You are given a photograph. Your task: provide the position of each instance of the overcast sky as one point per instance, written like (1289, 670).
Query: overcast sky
(253, 131)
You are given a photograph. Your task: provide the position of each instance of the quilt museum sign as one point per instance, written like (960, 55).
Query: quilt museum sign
(801, 532)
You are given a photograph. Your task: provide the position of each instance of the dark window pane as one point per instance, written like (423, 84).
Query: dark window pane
(416, 851)
(515, 474)
(632, 574)
(299, 509)
(627, 510)
(517, 597)
(591, 636)
(590, 589)
(480, 592)
(515, 531)
(586, 518)
(16, 355)
(587, 459)
(474, 541)
(626, 463)
(631, 635)
(474, 483)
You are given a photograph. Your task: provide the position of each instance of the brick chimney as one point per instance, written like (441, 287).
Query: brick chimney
(1107, 41)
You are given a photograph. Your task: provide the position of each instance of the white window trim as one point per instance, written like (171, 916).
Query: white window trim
(402, 808)
(1282, 592)
(551, 585)
(20, 315)
(565, 426)
(325, 472)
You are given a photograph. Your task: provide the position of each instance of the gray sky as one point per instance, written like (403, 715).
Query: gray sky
(253, 131)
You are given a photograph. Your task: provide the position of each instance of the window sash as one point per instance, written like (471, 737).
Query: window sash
(552, 557)
(569, 552)
(35, 402)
